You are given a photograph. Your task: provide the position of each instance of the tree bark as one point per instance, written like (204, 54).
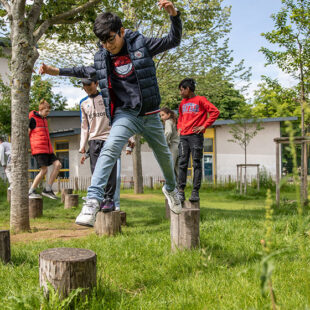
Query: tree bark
(67, 269)
(24, 55)
(137, 166)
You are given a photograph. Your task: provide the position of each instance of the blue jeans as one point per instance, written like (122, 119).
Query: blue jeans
(125, 125)
(117, 192)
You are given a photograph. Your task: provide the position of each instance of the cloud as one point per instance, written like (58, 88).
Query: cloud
(72, 94)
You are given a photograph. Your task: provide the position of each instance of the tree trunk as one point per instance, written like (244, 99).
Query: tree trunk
(24, 55)
(245, 162)
(137, 167)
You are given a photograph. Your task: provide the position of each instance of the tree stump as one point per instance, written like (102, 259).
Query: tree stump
(108, 224)
(8, 196)
(184, 229)
(123, 218)
(5, 247)
(71, 200)
(64, 192)
(67, 269)
(35, 207)
(191, 205)
(167, 209)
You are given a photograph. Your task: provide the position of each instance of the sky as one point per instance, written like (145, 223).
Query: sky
(249, 19)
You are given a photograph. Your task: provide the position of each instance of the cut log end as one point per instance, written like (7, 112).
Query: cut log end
(67, 269)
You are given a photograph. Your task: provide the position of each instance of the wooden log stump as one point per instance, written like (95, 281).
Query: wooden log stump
(67, 269)
(123, 218)
(8, 196)
(167, 209)
(35, 207)
(108, 224)
(64, 192)
(191, 205)
(71, 200)
(5, 247)
(184, 229)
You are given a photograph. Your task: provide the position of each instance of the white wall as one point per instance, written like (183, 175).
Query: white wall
(4, 68)
(261, 150)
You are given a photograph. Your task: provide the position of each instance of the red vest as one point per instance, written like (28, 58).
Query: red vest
(39, 137)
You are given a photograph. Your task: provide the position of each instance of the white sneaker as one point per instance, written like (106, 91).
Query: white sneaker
(34, 194)
(87, 217)
(173, 200)
(117, 208)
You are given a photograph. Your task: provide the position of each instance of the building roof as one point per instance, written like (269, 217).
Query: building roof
(65, 132)
(64, 114)
(262, 120)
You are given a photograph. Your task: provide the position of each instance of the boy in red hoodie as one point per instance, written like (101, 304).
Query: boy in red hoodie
(42, 150)
(196, 114)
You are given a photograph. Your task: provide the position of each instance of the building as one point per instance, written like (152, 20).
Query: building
(219, 159)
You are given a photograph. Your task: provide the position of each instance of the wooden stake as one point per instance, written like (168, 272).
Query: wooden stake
(108, 223)
(35, 207)
(67, 269)
(64, 192)
(184, 229)
(167, 209)
(71, 200)
(123, 218)
(5, 247)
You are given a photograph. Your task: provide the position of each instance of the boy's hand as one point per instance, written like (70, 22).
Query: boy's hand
(46, 69)
(168, 6)
(83, 159)
(199, 129)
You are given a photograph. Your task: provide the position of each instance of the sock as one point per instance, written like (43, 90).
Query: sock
(31, 190)
(48, 187)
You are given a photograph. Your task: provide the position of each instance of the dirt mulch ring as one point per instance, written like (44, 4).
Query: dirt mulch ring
(41, 232)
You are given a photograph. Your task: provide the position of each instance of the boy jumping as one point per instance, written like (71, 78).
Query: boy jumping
(127, 76)
(42, 150)
(196, 114)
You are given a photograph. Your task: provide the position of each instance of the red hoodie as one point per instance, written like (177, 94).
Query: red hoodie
(193, 112)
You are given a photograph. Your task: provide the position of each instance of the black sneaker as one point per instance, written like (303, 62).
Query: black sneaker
(194, 197)
(181, 195)
(34, 194)
(49, 194)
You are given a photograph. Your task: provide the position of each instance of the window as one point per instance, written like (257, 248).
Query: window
(208, 145)
(62, 153)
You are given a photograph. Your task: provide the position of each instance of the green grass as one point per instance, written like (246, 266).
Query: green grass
(136, 269)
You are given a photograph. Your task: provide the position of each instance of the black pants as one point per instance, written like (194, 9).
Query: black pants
(190, 144)
(95, 147)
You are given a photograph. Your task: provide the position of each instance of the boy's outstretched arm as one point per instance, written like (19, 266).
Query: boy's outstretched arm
(173, 39)
(80, 72)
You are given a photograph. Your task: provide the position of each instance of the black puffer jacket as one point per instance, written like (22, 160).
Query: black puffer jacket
(141, 50)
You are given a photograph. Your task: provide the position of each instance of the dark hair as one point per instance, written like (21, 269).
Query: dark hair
(105, 23)
(188, 82)
(1, 139)
(173, 116)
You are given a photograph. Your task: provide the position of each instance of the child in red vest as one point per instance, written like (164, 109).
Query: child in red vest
(196, 114)
(42, 150)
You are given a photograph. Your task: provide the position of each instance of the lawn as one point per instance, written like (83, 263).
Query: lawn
(136, 269)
